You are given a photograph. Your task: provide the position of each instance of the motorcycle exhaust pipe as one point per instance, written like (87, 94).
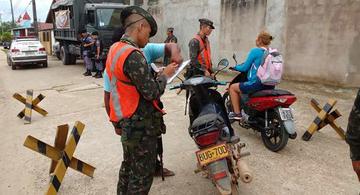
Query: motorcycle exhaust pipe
(244, 171)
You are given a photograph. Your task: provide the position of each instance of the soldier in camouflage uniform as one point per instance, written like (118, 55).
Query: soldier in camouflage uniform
(171, 38)
(353, 135)
(139, 132)
(196, 67)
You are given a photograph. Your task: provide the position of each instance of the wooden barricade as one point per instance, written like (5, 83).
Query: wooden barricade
(324, 118)
(30, 105)
(61, 155)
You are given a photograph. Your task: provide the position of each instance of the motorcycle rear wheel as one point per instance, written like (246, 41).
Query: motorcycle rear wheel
(276, 137)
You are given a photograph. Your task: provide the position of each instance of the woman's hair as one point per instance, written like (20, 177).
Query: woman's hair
(265, 37)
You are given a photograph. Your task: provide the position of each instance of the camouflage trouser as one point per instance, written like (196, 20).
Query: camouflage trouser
(353, 130)
(138, 167)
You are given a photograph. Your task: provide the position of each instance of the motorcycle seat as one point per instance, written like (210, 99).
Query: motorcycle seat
(206, 122)
(270, 92)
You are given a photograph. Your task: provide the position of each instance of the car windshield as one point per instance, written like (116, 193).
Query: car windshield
(108, 18)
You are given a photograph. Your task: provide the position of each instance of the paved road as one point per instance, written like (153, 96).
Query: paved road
(321, 166)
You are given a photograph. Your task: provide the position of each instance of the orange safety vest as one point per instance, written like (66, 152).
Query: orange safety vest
(204, 56)
(124, 97)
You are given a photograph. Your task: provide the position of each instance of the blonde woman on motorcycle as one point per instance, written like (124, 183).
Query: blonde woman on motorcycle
(250, 66)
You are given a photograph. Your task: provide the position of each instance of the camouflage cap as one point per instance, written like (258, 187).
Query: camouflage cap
(171, 29)
(207, 22)
(140, 11)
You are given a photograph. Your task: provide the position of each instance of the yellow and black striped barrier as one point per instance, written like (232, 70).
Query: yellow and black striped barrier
(324, 118)
(30, 105)
(61, 154)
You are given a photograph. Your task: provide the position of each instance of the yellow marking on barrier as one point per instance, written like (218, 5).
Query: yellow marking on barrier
(35, 107)
(55, 154)
(323, 118)
(28, 106)
(59, 143)
(35, 102)
(62, 164)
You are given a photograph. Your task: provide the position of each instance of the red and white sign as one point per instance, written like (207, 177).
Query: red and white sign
(62, 19)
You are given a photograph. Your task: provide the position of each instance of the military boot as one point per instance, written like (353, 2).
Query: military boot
(98, 75)
(87, 73)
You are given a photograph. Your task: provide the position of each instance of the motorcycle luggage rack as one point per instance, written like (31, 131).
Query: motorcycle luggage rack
(205, 124)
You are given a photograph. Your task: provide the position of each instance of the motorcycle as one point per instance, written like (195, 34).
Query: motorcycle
(266, 111)
(219, 155)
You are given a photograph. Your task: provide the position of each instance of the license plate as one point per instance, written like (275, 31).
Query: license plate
(212, 154)
(29, 53)
(286, 114)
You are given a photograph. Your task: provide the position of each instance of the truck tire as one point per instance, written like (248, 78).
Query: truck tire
(65, 56)
(72, 59)
(58, 55)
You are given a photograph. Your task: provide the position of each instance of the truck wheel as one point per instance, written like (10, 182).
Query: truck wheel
(58, 55)
(72, 59)
(65, 56)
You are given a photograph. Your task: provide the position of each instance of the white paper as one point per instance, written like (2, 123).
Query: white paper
(177, 72)
(155, 68)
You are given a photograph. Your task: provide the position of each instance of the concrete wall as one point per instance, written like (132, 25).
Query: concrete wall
(322, 41)
(183, 15)
(319, 39)
(241, 21)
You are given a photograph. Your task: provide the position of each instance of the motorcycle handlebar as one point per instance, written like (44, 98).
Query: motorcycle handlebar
(182, 85)
(175, 87)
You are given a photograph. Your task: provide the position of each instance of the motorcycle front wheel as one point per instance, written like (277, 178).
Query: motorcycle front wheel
(227, 102)
(275, 137)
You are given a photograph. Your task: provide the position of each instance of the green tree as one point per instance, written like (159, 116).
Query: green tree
(6, 36)
(6, 26)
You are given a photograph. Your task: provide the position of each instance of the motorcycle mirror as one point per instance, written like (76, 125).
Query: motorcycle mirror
(234, 57)
(223, 62)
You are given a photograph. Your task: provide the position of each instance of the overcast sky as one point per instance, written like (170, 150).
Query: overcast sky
(20, 6)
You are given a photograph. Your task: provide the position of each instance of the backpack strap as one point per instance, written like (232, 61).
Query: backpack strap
(266, 53)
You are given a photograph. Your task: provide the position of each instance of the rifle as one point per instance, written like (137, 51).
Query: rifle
(160, 153)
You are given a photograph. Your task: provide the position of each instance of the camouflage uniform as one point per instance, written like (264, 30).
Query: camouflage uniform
(353, 135)
(139, 133)
(353, 130)
(195, 67)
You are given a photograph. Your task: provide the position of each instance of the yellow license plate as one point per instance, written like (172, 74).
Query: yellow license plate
(212, 154)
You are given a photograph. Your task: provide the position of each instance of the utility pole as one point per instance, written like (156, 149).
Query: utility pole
(12, 14)
(35, 19)
(1, 23)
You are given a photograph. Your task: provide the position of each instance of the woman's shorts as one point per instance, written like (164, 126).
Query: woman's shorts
(248, 88)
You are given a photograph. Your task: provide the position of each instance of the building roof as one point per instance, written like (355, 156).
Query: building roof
(45, 26)
(41, 26)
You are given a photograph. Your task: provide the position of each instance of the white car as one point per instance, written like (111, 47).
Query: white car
(26, 51)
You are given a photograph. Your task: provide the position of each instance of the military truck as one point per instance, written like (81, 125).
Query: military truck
(71, 16)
